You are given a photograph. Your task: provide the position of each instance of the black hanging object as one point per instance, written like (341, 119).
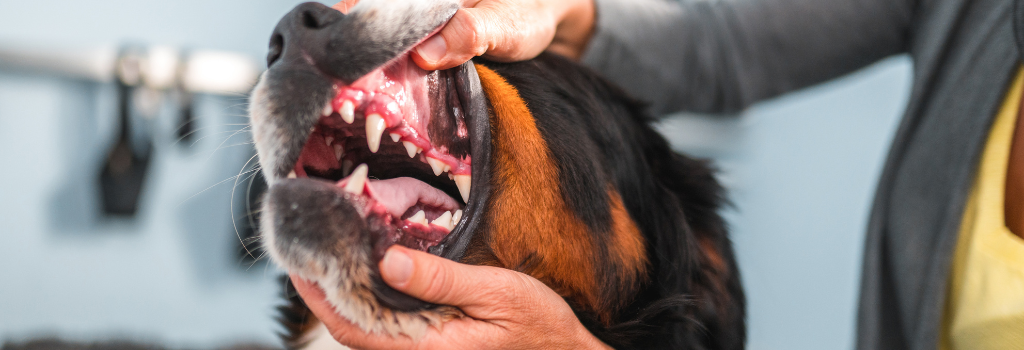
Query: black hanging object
(124, 170)
(186, 115)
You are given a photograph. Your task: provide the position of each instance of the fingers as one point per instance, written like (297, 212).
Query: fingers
(492, 29)
(344, 6)
(474, 289)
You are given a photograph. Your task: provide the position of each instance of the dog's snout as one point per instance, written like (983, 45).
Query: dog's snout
(302, 29)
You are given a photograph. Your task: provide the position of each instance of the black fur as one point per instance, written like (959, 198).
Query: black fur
(590, 124)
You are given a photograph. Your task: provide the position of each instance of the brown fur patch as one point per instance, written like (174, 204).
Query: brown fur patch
(533, 230)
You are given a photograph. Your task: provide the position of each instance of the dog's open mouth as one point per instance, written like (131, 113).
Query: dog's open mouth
(397, 141)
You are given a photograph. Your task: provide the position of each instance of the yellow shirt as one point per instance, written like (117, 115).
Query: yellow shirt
(985, 304)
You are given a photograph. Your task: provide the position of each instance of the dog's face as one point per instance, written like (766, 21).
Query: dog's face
(539, 167)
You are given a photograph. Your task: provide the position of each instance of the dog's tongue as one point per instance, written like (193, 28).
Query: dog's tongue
(399, 194)
(396, 196)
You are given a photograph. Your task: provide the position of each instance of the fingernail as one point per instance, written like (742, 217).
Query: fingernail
(433, 49)
(397, 267)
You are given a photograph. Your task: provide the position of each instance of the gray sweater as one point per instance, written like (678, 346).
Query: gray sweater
(723, 55)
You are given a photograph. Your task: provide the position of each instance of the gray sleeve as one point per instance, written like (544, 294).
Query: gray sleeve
(716, 56)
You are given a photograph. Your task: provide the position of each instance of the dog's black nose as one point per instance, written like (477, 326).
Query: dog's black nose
(299, 27)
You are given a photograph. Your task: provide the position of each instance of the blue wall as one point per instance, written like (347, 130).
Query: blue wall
(800, 168)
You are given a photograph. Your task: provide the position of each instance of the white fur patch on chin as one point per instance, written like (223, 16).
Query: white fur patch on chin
(320, 339)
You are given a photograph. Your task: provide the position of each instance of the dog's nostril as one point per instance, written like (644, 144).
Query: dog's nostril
(310, 21)
(276, 48)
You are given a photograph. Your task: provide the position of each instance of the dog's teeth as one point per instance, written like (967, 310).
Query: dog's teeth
(437, 165)
(346, 167)
(338, 151)
(451, 177)
(463, 181)
(411, 148)
(329, 140)
(395, 137)
(357, 180)
(291, 175)
(374, 130)
(445, 220)
(327, 109)
(348, 112)
(420, 218)
(456, 218)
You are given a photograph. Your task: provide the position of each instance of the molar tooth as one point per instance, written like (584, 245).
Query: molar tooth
(456, 218)
(374, 130)
(420, 218)
(357, 180)
(395, 137)
(463, 181)
(346, 167)
(445, 220)
(327, 109)
(338, 151)
(437, 165)
(348, 112)
(411, 148)
(292, 175)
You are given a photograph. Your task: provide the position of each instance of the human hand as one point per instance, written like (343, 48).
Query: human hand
(505, 309)
(506, 31)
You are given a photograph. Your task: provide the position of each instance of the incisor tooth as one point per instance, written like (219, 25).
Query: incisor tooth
(445, 220)
(420, 217)
(456, 217)
(357, 180)
(437, 165)
(463, 181)
(327, 109)
(395, 137)
(374, 130)
(291, 175)
(411, 148)
(338, 151)
(348, 112)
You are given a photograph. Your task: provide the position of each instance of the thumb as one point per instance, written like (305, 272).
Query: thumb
(438, 280)
(489, 31)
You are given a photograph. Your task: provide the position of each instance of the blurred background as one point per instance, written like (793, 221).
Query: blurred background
(123, 200)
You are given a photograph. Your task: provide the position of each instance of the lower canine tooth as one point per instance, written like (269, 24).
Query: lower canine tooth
(357, 180)
(348, 112)
(445, 220)
(374, 130)
(456, 217)
(463, 181)
(420, 218)
(437, 165)
(411, 148)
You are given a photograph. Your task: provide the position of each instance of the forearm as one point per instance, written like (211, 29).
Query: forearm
(722, 56)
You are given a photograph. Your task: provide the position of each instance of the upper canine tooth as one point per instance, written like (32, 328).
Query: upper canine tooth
(374, 130)
(411, 148)
(437, 165)
(395, 137)
(348, 112)
(445, 220)
(357, 180)
(420, 218)
(463, 181)
(327, 109)
(456, 217)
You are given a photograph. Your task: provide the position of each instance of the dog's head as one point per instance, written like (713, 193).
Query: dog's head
(539, 167)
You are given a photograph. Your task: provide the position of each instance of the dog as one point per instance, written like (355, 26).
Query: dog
(541, 167)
